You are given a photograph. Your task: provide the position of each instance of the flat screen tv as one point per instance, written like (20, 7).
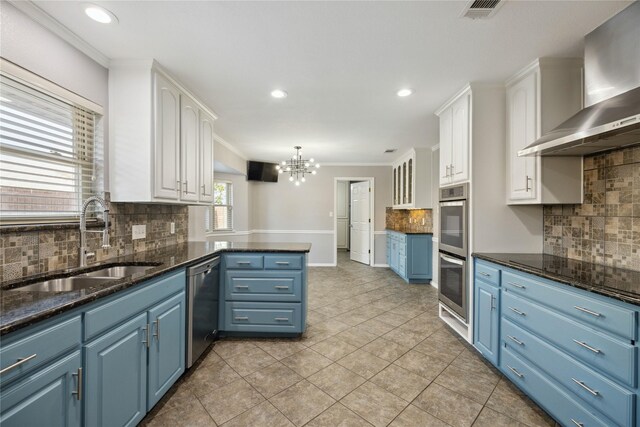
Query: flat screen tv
(260, 171)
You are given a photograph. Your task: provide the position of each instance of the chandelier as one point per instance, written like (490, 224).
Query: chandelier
(298, 167)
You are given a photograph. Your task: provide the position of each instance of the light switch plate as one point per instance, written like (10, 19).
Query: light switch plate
(173, 228)
(139, 231)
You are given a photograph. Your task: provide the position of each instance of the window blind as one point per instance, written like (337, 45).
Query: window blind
(222, 206)
(50, 155)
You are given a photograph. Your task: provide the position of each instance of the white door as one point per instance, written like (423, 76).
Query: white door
(360, 222)
(342, 214)
(189, 149)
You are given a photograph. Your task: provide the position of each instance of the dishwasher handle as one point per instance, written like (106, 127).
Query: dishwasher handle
(204, 267)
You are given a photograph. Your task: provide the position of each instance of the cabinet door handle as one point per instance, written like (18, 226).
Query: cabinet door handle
(482, 273)
(186, 186)
(588, 347)
(527, 188)
(515, 371)
(78, 392)
(157, 332)
(282, 319)
(577, 423)
(515, 340)
(204, 190)
(451, 170)
(493, 307)
(586, 387)
(517, 285)
(241, 318)
(146, 334)
(178, 186)
(518, 312)
(19, 362)
(281, 287)
(282, 262)
(242, 287)
(585, 310)
(446, 169)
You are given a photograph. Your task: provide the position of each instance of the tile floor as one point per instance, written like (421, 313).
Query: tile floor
(374, 353)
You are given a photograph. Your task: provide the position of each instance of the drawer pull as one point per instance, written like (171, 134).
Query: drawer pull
(282, 262)
(78, 392)
(588, 347)
(585, 310)
(18, 363)
(242, 287)
(282, 319)
(517, 285)
(515, 371)
(518, 312)
(243, 262)
(482, 273)
(515, 340)
(281, 287)
(578, 423)
(241, 318)
(586, 387)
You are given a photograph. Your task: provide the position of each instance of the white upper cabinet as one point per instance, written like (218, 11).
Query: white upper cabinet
(539, 98)
(455, 137)
(411, 178)
(160, 137)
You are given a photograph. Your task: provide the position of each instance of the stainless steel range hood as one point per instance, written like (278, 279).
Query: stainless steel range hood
(612, 86)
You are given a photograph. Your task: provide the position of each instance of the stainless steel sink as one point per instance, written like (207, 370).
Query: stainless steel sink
(119, 271)
(65, 284)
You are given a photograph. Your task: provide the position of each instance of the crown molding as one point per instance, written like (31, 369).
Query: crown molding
(228, 145)
(354, 164)
(49, 22)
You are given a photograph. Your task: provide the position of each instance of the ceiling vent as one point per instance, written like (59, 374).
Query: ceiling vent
(390, 150)
(481, 9)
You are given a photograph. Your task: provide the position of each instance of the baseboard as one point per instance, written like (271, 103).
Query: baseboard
(381, 265)
(434, 284)
(321, 264)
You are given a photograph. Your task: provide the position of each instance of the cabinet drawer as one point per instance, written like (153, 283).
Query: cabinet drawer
(283, 262)
(614, 357)
(597, 391)
(249, 262)
(40, 346)
(263, 286)
(263, 317)
(487, 273)
(107, 315)
(558, 403)
(586, 309)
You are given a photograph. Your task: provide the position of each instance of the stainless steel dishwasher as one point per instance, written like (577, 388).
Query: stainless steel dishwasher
(202, 307)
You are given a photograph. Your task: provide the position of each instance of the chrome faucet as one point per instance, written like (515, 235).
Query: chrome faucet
(84, 254)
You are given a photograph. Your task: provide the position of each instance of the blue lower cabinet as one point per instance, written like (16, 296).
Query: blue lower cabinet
(167, 344)
(410, 256)
(48, 397)
(486, 322)
(116, 375)
(263, 317)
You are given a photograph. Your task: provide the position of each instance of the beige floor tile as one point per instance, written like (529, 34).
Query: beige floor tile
(273, 379)
(179, 395)
(364, 364)
(208, 378)
(473, 385)
(471, 360)
(187, 414)
(385, 349)
(393, 319)
(426, 366)
(306, 362)
(438, 345)
(302, 402)
(374, 404)
(334, 348)
(249, 360)
(357, 338)
(226, 348)
(399, 381)
(414, 417)
(510, 401)
(376, 327)
(231, 400)
(338, 416)
(336, 381)
(404, 337)
(264, 414)
(448, 406)
(490, 418)
(281, 348)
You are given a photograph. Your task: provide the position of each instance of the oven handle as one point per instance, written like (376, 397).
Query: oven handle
(460, 203)
(452, 260)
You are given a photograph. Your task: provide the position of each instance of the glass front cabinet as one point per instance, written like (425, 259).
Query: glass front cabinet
(412, 180)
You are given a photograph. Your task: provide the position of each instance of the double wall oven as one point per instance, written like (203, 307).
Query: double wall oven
(453, 239)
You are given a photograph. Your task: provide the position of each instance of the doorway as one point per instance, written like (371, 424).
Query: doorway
(353, 222)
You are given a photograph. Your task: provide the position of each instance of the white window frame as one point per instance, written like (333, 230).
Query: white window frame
(229, 206)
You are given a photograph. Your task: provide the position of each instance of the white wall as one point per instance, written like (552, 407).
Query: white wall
(435, 197)
(33, 47)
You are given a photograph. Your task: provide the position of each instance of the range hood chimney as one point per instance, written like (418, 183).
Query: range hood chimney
(611, 118)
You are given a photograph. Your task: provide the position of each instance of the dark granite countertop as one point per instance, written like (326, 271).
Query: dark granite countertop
(613, 282)
(407, 231)
(22, 308)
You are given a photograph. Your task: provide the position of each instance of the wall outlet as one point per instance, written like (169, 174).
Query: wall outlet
(330, 214)
(173, 228)
(139, 231)
(422, 221)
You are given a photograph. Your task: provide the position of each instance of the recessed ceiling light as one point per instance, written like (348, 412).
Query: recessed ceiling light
(279, 93)
(405, 92)
(99, 14)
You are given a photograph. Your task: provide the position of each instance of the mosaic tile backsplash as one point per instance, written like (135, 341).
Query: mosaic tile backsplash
(605, 229)
(409, 220)
(29, 252)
